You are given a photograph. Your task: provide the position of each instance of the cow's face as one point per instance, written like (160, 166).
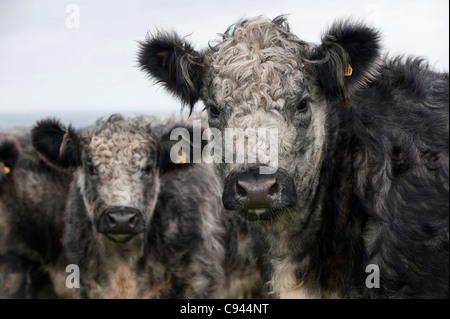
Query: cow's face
(118, 163)
(261, 76)
(256, 78)
(117, 178)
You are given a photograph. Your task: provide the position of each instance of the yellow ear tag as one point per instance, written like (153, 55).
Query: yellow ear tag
(348, 70)
(5, 168)
(181, 157)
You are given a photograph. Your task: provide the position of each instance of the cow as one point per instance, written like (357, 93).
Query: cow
(140, 225)
(32, 204)
(355, 205)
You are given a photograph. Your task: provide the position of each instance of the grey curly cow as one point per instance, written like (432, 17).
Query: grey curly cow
(355, 204)
(140, 225)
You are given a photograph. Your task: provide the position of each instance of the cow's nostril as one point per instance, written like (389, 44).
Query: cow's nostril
(133, 221)
(274, 189)
(111, 220)
(240, 190)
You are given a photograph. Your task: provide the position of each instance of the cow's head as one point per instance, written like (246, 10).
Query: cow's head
(262, 76)
(119, 162)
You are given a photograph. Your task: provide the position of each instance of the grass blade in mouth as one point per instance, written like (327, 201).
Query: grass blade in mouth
(292, 216)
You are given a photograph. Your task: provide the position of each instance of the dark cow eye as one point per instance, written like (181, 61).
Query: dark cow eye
(213, 110)
(91, 168)
(303, 105)
(148, 168)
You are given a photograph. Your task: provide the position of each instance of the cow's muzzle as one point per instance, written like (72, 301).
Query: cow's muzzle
(259, 196)
(120, 224)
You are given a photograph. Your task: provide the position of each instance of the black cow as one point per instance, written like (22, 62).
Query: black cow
(359, 189)
(32, 203)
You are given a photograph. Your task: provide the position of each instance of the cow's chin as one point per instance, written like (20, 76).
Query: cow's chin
(119, 238)
(124, 238)
(263, 214)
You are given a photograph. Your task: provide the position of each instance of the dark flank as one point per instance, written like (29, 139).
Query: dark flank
(32, 202)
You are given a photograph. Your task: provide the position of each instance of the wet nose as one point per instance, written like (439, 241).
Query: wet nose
(250, 190)
(257, 193)
(121, 220)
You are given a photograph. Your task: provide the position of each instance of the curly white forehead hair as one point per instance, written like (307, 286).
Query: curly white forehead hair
(117, 149)
(257, 65)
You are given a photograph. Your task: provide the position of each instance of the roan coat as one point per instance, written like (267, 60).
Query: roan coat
(362, 178)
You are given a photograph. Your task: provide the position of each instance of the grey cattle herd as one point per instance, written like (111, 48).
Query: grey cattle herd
(355, 203)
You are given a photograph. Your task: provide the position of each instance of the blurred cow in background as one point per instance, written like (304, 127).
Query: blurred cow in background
(140, 225)
(32, 204)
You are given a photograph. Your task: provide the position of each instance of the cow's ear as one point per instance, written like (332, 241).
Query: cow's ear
(350, 54)
(9, 156)
(56, 143)
(180, 148)
(172, 61)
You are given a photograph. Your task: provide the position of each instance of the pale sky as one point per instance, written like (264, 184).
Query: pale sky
(79, 57)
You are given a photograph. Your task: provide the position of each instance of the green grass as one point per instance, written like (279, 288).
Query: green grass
(292, 216)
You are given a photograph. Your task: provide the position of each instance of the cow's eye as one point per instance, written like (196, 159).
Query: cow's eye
(91, 168)
(303, 105)
(213, 110)
(148, 168)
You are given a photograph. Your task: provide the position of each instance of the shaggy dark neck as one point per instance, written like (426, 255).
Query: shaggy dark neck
(339, 244)
(328, 246)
